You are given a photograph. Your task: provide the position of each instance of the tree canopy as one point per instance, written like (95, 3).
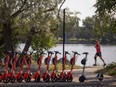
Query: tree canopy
(28, 21)
(36, 22)
(105, 6)
(106, 19)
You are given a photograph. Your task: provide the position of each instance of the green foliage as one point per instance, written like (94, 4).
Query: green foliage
(105, 26)
(43, 41)
(22, 15)
(105, 6)
(87, 30)
(25, 14)
(110, 69)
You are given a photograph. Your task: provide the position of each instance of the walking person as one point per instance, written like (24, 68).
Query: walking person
(98, 53)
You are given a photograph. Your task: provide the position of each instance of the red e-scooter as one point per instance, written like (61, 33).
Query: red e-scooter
(13, 63)
(19, 75)
(46, 75)
(5, 75)
(62, 76)
(37, 76)
(72, 62)
(54, 61)
(27, 75)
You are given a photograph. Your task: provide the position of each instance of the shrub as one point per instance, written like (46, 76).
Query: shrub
(110, 69)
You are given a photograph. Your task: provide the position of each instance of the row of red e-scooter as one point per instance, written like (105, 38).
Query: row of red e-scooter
(12, 76)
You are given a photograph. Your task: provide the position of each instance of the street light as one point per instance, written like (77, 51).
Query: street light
(63, 27)
(60, 8)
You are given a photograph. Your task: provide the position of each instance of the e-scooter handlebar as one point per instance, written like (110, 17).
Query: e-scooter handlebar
(50, 52)
(86, 53)
(76, 52)
(83, 61)
(57, 52)
(66, 52)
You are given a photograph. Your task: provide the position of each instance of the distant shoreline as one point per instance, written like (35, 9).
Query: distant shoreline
(84, 42)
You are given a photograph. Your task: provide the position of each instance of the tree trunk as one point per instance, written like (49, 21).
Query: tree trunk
(29, 39)
(7, 36)
(7, 39)
(27, 44)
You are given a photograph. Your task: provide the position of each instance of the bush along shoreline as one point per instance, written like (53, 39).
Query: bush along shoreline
(110, 69)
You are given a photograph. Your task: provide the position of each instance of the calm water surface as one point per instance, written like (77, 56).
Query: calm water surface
(108, 53)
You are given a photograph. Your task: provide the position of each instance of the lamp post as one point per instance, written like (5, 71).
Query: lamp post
(63, 38)
(63, 29)
(60, 8)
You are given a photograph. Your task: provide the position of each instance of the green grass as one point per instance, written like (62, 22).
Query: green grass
(59, 67)
(110, 69)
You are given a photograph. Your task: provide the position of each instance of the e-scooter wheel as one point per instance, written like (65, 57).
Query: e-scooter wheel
(58, 78)
(70, 79)
(54, 79)
(12, 80)
(19, 79)
(28, 79)
(6, 79)
(82, 78)
(47, 78)
(63, 79)
(37, 79)
(101, 77)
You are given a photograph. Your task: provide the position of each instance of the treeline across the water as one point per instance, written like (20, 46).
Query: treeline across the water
(85, 41)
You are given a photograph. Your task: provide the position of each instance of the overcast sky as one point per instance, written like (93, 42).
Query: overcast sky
(85, 7)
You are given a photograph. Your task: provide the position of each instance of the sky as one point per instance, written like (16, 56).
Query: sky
(85, 7)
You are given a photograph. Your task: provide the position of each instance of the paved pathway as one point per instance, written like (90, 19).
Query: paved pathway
(91, 81)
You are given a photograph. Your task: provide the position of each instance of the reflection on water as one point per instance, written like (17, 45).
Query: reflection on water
(108, 53)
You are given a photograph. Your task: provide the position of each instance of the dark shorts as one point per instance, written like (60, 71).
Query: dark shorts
(98, 54)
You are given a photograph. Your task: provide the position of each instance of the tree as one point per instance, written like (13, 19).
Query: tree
(105, 6)
(26, 11)
(88, 24)
(105, 30)
(71, 23)
(25, 19)
(105, 13)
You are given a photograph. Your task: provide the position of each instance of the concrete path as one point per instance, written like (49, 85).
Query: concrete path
(90, 81)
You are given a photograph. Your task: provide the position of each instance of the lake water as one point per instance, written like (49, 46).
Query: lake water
(108, 53)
